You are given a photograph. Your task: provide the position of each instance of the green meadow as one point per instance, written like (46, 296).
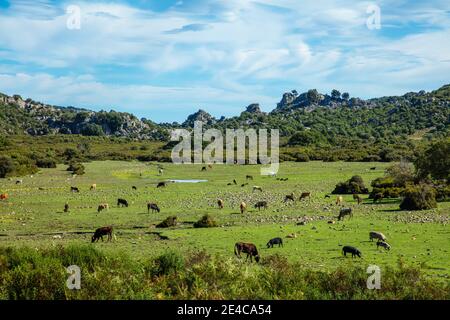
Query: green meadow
(33, 215)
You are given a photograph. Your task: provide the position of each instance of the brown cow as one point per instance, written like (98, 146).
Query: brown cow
(377, 197)
(102, 206)
(243, 207)
(4, 196)
(289, 197)
(248, 248)
(220, 203)
(357, 198)
(103, 231)
(305, 195)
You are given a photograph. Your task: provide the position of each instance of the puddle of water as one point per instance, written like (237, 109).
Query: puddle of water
(187, 181)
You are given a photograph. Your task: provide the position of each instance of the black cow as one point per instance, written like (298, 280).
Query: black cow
(161, 184)
(352, 250)
(74, 189)
(153, 206)
(122, 203)
(273, 241)
(134, 187)
(261, 204)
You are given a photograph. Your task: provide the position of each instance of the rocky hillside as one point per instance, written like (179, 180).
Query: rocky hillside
(35, 118)
(307, 118)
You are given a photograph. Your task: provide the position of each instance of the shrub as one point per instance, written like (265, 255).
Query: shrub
(168, 222)
(301, 157)
(167, 263)
(419, 197)
(6, 166)
(354, 185)
(76, 168)
(205, 222)
(45, 163)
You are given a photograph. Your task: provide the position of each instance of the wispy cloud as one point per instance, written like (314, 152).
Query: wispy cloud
(220, 54)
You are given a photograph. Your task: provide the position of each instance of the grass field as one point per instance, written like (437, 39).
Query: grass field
(33, 215)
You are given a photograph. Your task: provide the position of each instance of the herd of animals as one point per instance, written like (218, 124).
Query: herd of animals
(249, 249)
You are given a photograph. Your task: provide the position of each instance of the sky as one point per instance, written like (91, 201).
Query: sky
(165, 59)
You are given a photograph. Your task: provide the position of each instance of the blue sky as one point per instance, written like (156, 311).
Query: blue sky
(163, 60)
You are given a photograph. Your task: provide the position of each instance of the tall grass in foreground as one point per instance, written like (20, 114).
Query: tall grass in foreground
(27, 273)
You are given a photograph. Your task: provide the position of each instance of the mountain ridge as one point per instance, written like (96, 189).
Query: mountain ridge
(19, 116)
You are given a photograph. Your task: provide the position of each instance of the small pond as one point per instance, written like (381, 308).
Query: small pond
(187, 180)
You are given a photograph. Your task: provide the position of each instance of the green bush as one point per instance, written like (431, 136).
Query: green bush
(6, 166)
(45, 163)
(168, 222)
(419, 197)
(167, 263)
(76, 168)
(205, 222)
(354, 185)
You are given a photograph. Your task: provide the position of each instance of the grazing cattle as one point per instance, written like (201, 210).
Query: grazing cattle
(203, 168)
(383, 244)
(248, 248)
(291, 235)
(377, 197)
(373, 168)
(209, 166)
(352, 250)
(122, 203)
(4, 196)
(305, 195)
(103, 231)
(229, 184)
(134, 187)
(153, 206)
(257, 188)
(66, 207)
(289, 197)
(74, 189)
(273, 241)
(161, 184)
(93, 187)
(220, 203)
(160, 171)
(248, 177)
(357, 198)
(244, 184)
(339, 200)
(261, 204)
(19, 181)
(327, 196)
(345, 212)
(243, 207)
(234, 181)
(102, 206)
(376, 235)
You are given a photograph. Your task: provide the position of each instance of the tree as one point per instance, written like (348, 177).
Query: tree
(313, 96)
(419, 197)
(345, 96)
(6, 166)
(92, 129)
(435, 161)
(335, 94)
(401, 173)
(70, 154)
